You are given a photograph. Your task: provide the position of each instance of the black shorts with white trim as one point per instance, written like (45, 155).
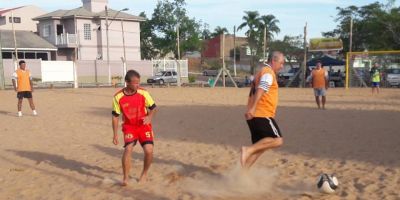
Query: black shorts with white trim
(263, 127)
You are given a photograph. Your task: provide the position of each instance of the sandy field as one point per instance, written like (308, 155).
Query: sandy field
(67, 153)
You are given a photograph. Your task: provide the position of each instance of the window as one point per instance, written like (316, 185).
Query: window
(16, 20)
(174, 73)
(87, 32)
(46, 30)
(43, 56)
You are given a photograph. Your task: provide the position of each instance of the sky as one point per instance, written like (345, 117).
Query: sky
(292, 14)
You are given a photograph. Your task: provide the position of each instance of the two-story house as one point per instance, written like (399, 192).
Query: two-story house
(85, 29)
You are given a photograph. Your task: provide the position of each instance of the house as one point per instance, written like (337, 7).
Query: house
(85, 29)
(22, 18)
(213, 48)
(29, 45)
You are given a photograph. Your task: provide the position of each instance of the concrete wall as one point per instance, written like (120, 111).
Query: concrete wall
(26, 14)
(89, 71)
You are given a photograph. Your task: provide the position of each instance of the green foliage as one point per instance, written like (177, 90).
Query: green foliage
(255, 32)
(192, 78)
(218, 31)
(376, 26)
(166, 17)
(146, 39)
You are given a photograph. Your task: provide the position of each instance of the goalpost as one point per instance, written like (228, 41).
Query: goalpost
(358, 66)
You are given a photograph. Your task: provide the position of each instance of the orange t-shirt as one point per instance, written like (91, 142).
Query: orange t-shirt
(319, 78)
(266, 106)
(23, 80)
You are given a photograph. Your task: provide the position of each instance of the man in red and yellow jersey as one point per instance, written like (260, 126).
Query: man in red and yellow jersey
(261, 108)
(137, 109)
(319, 81)
(22, 82)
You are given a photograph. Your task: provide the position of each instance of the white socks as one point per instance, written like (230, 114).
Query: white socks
(34, 112)
(19, 114)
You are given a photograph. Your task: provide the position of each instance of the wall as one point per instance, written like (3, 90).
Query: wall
(26, 13)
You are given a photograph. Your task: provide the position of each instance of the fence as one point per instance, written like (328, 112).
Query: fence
(89, 72)
(359, 64)
(163, 65)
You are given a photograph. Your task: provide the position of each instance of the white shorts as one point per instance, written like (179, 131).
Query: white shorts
(319, 92)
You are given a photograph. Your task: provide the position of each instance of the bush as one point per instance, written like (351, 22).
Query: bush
(192, 78)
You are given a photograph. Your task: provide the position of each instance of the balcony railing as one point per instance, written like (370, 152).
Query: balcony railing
(66, 40)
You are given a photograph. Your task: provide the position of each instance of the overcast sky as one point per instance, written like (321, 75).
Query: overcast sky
(292, 14)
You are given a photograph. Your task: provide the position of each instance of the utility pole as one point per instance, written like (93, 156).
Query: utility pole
(265, 41)
(351, 34)
(108, 48)
(2, 81)
(305, 57)
(15, 42)
(234, 50)
(123, 44)
(179, 56)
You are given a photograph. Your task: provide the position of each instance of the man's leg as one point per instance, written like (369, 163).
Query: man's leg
(252, 153)
(31, 103)
(377, 89)
(323, 102)
(148, 159)
(20, 105)
(318, 102)
(126, 163)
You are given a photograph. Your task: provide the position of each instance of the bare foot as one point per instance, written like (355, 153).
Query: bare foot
(124, 183)
(143, 178)
(244, 156)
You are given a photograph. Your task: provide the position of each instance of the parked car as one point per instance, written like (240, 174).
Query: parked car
(164, 77)
(210, 72)
(393, 77)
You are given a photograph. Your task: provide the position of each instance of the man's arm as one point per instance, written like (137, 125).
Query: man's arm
(115, 121)
(326, 80)
(14, 85)
(149, 117)
(30, 82)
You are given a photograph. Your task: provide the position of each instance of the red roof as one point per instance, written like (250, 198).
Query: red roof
(8, 10)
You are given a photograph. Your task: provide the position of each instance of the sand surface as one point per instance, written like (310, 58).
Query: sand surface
(67, 153)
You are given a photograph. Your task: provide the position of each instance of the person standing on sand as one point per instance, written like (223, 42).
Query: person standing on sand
(261, 108)
(22, 83)
(319, 81)
(137, 109)
(375, 78)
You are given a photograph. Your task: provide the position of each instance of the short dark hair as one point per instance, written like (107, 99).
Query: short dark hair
(21, 62)
(131, 73)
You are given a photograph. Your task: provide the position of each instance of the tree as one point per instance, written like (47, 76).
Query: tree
(218, 31)
(375, 26)
(291, 47)
(252, 22)
(270, 23)
(255, 33)
(167, 16)
(147, 50)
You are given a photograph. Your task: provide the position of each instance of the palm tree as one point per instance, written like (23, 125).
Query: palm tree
(218, 31)
(252, 22)
(270, 23)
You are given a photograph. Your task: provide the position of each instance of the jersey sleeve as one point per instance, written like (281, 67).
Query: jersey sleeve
(14, 76)
(266, 81)
(116, 108)
(150, 104)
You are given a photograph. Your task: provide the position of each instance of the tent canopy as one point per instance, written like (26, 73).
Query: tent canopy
(326, 61)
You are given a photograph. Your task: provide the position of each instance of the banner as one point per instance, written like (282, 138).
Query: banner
(325, 44)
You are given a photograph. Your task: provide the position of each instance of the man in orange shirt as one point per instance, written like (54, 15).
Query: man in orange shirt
(22, 82)
(137, 109)
(320, 82)
(261, 108)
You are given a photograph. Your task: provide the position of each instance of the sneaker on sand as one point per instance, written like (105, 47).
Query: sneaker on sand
(34, 113)
(19, 114)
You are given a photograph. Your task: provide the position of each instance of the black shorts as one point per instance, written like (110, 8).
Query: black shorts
(262, 127)
(25, 94)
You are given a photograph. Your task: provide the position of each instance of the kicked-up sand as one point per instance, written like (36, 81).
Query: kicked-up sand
(67, 153)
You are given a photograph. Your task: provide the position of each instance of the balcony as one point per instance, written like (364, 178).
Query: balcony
(66, 40)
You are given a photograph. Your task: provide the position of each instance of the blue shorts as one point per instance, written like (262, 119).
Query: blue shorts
(319, 92)
(375, 84)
